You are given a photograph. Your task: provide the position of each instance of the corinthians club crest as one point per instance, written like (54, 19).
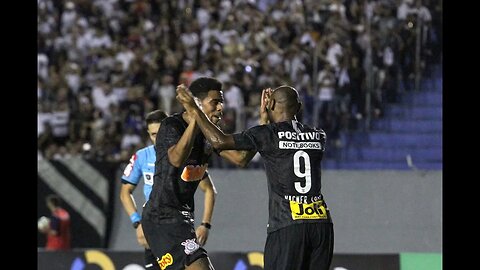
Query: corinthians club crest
(190, 246)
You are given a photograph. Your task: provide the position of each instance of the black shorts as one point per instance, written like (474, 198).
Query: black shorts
(305, 246)
(174, 244)
(151, 261)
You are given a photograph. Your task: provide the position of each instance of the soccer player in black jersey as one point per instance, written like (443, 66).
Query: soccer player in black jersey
(300, 228)
(182, 153)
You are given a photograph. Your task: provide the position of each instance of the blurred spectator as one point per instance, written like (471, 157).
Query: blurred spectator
(60, 118)
(234, 103)
(103, 96)
(164, 92)
(45, 139)
(42, 66)
(324, 108)
(130, 139)
(113, 54)
(186, 76)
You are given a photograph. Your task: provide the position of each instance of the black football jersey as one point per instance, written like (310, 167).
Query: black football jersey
(292, 154)
(172, 198)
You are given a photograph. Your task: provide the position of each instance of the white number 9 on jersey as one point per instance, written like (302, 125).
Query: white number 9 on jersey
(306, 172)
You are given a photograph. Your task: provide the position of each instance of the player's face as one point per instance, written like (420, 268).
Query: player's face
(212, 105)
(152, 130)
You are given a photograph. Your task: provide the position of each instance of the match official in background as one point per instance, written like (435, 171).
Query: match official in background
(141, 165)
(300, 228)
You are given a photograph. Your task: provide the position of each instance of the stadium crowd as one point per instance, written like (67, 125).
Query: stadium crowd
(104, 64)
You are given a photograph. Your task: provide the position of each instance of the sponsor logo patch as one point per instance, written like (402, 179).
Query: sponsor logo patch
(315, 210)
(193, 173)
(166, 260)
(299, 145)
(148, 178)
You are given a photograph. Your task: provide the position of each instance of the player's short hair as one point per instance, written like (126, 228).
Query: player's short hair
(54, 200)
(155, 117)
(202, 85)
(288, 96)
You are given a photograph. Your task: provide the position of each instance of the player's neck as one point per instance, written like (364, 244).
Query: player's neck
(284, 117)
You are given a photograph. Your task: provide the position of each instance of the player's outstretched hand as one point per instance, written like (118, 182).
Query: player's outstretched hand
(263, 105)
(185, 97)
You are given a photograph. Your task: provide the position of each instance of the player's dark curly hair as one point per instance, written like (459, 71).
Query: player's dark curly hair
(202, 85)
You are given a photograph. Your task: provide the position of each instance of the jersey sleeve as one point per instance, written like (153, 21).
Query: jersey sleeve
(251, 139)
(323, 139)
(132, 172)
(169, 134)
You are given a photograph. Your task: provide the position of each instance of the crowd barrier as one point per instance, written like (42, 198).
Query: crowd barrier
(89, 259)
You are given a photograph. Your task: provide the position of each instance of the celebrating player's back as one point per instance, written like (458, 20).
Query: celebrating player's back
(292, 153)
(300, 229)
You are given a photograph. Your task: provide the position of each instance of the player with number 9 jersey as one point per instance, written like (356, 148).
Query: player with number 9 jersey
(300, 229)
(292, 153)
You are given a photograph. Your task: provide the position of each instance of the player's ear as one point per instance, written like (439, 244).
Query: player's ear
(299, 107)
(272, 104)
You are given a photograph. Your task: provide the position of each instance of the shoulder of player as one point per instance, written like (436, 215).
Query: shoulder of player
(265, 126)
(278, 126)
(259, 129)
(322, 132)
(312, 128)
(174, 120)
(142, 153)
(145, 150)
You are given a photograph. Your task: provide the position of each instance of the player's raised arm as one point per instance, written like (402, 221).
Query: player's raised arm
(240, 158)
(178, 153)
